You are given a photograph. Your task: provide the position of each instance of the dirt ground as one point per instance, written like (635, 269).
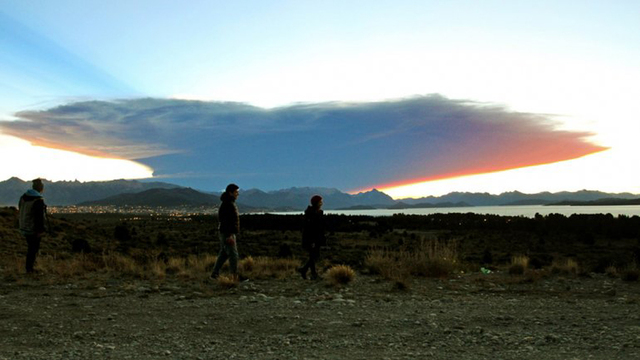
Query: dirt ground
(472, 316)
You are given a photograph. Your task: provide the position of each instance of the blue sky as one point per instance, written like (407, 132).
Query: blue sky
(572, 65)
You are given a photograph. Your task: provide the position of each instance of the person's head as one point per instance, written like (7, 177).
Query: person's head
(316, 201)
(37, 185)
(233, 190)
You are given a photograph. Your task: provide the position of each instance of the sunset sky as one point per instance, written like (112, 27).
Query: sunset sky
(414, 98)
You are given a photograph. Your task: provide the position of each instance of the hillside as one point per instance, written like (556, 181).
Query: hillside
(159, 197)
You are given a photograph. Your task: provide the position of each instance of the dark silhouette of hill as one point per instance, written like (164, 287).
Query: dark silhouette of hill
(518, 198)
(403, 205)
(252, 199)
(600, 202)
(74, 192)
(159, 197)
(296, 198)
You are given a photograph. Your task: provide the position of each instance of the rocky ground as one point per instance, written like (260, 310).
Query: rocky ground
(470, 317)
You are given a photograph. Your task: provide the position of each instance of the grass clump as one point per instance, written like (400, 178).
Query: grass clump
(566, 267)
(340, 275)
(382, 262)
(267, 267)
(612, 271)
(630, 273)
(429, 259)
(227, 281)
(433, 259)
(519, 265)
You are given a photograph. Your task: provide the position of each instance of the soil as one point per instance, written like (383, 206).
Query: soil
(472, 316)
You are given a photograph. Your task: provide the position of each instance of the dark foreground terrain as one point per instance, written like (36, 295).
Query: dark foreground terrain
(113, 288)
(474, 316)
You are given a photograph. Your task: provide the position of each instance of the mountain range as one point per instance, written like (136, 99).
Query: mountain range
(75, 192)
(138, 193)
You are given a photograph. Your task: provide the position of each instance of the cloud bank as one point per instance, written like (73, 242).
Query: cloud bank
(344, 145)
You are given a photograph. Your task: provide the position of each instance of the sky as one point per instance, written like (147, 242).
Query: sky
(414, 98)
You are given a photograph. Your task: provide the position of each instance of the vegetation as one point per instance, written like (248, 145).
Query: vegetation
(519, 265)
(340, 275)
(565, 267)
(398, 248)
(433, 258)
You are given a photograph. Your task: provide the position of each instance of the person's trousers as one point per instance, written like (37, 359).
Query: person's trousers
(33, 246)
(314, 254)
(229, 252)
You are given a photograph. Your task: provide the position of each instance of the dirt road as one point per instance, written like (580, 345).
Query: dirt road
(466, 318)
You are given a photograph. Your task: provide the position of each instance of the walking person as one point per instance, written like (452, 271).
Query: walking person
(228, 229)
(313, 236)
(32, 219)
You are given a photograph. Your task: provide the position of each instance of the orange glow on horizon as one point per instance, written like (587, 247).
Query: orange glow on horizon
(470, 172)
(77, 149)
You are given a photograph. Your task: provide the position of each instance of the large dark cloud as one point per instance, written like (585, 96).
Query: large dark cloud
(346, 145)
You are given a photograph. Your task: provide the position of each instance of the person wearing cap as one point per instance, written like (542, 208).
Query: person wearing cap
(313, 236)
(228, 229)
(32, 220)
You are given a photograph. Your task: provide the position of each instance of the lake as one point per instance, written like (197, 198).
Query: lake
(523, 210)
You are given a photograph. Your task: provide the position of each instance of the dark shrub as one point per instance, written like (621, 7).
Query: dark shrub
(80, 246)
(284, 251)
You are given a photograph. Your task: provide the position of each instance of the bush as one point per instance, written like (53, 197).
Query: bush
(519, 265)
(340, 275)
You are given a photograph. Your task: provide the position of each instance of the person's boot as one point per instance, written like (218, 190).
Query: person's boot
(303, 272)
(314, 275)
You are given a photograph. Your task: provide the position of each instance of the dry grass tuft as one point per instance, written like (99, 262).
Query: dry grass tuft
(519, 265)
(434, 259)
(340, 275)
(630, 273)
(227, 281)
(611, 271)
(268, 268)
(430, 259)
(382, 262)
(566, 267)
(118, 264)
(246, 265)
(113, 264)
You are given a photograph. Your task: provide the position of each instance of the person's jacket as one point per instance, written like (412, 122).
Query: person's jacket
(313, 230)
(228, 216)
(32, 213)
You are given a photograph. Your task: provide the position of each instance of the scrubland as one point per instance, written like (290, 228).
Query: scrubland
(445, 286)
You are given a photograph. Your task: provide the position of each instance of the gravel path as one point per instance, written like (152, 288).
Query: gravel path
(466, 318)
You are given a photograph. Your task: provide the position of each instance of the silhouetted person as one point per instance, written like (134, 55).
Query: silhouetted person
(228, 229)
(32, 219)
(313, 236)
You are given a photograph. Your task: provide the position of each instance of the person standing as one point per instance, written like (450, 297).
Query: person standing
(228, 229)
(313, 236)
(32, 220)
